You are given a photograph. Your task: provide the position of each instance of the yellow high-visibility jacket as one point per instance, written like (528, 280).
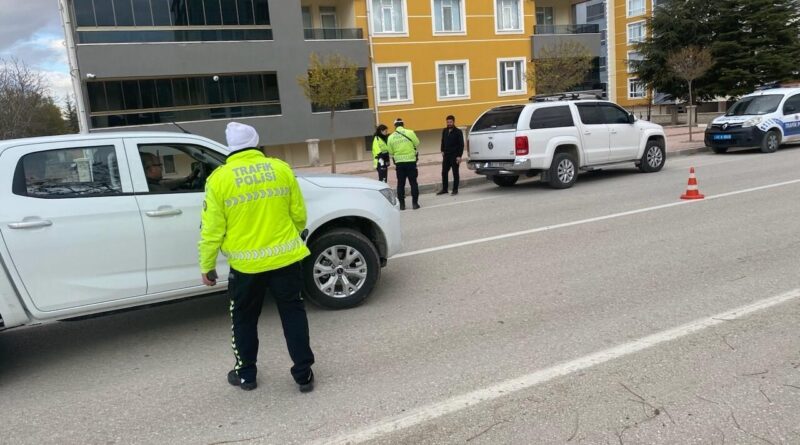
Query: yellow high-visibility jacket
(253, 212)
(403, 145)
(378, 147)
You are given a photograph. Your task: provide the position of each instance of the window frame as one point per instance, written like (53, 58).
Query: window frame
(626, 113)
(137, 169)
(393, 33)
(632, 80)
(629, 13)
(409, 83)
(520, 15)
(628, 61)
(501, 75)
(643, 24)
(461, 32)
(466, 80)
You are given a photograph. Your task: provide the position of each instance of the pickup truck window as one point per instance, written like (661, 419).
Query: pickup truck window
(176, 168)
(68, 173)
(613, 114)
(552, 117)
(504, 118)
(590, 114)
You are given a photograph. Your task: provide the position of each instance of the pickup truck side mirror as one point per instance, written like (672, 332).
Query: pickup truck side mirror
(631, 118)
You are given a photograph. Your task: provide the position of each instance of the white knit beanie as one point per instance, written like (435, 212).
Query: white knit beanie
(240, 136)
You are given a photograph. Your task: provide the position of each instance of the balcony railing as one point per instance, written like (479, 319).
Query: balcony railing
(566, 29)
(333, 33)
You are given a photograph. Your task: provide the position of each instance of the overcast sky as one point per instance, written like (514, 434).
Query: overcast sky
(30, 30)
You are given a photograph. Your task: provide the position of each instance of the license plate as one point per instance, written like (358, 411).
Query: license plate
(722, 137)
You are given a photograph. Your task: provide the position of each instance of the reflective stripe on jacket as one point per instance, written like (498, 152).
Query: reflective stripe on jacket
(253, 212)
(403, 145)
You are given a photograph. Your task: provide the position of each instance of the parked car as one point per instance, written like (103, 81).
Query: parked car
(764, 120)
(556, 139)
(83, 233)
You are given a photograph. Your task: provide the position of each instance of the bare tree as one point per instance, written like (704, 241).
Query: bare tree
(559, 67)
(329, 84)
(22, 94)
(690, 64)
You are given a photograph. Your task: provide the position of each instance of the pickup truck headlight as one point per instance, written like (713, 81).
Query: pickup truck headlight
(390, 195)
(752, 122)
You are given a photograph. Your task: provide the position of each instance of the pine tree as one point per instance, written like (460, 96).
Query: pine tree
(71, 115)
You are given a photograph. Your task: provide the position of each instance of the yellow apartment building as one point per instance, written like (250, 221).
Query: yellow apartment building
(627, 25)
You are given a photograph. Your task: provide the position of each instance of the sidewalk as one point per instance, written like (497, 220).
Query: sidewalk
(430, 171)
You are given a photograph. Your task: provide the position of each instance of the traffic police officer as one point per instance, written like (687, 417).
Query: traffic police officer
(254, 213)
(402, 146)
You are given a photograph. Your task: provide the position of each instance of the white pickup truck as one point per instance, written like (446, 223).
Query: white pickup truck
(556, 139)
(83, 230)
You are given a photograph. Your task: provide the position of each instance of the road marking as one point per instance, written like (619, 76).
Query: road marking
(458, 203)
(435, 410)
(588, 220)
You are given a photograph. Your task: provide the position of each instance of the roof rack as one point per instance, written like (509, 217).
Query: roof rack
(569, 95)
(779, 84)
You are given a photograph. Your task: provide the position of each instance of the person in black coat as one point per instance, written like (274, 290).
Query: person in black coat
(452, 151)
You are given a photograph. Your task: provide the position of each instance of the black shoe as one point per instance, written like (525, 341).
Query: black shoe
(309, 385)
(402, 205)
(415, 206)
(441, 192)
(455, 192)
(234, 380)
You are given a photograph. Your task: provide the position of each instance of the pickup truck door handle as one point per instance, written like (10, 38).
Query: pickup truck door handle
(613, 132)
(163, 211)
(587, 132)
(33, 224)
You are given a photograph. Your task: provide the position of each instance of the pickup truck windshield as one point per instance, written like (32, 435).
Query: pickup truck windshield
(755, 105)
(504, 118)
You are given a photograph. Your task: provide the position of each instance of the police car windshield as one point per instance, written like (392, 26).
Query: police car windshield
(755, 105)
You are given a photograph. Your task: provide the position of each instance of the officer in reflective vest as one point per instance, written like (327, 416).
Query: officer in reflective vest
(254, 213)
(403, 145)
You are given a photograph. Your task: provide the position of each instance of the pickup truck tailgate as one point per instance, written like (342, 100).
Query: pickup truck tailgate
(492, 135)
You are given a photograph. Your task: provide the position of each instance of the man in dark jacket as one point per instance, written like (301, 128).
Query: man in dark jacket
(452, 151)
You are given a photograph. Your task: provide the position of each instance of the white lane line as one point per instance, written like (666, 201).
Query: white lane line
(435, 410)
(587, 221)
(458, 202)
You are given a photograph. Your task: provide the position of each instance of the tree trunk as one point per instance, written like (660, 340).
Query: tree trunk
(333, 145)
(689, 120)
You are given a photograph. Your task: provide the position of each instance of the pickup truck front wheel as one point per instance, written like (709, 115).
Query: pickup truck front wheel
(563, 171)
(653, 158)
(505, 181)
(342, 270)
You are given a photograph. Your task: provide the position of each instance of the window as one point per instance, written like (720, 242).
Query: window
(590, 114)
(452, 79)
(755, 105)
(153, 101)
(128, 15)
(635, 7)
(511, 77)
(357, 102)
(634, 59)
(394, 83)
(544, 15)
(448, 16)
(636, 32)
(636, 89)
(501, 118)
(552, 117)
(792, 105)
(595, 12)
(68, 173)
(508, 14)
(176, 168)
(388, 16)
(307, 20)
(657, 3)
(613, 114)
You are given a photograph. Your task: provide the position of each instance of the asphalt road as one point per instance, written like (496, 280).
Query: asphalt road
(607, 313)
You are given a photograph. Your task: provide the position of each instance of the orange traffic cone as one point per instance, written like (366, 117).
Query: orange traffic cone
(691, 189)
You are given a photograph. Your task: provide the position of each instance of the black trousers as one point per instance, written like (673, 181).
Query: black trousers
(383, 170)
(247, 293)
(407, 170)
(449, 163)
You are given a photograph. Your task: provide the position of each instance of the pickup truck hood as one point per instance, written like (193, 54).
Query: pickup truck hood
(342, 181)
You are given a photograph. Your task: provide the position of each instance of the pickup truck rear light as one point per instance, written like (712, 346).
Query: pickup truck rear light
(521, 145)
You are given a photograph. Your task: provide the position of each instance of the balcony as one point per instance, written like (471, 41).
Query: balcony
(333, 33)
(565, 29)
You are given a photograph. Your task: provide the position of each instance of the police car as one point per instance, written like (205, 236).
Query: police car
(764, 119)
